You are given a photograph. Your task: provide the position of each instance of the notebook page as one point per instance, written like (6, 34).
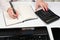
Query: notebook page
(25, 12)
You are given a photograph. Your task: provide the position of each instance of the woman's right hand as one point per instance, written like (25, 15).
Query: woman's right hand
(42, 4)
(11, 13)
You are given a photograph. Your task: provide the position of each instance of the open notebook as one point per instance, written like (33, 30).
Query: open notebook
(26, 13)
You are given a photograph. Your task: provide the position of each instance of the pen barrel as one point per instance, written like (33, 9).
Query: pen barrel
(13, 0)
(12, 7)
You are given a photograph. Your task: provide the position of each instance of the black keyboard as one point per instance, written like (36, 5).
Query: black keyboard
(34, 33)
(47, 16)
(56, 33)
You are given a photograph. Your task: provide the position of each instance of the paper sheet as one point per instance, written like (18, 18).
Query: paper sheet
(25, 12)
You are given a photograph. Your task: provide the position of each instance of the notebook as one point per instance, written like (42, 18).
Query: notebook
(25, 13)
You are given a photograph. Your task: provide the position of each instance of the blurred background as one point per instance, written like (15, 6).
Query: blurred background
(44, 0)
(52, 0)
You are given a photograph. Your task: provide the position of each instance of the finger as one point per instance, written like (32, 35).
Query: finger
(14, 16)
(45, 7)
(17, 13)
(46, 4)
(42, 7)
(36, 6)
(11, 14)
(9, 9)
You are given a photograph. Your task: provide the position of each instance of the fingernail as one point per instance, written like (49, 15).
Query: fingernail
(43, 10)
(47, 10)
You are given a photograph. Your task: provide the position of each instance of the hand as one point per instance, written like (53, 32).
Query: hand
(11, 13)
(42, 4)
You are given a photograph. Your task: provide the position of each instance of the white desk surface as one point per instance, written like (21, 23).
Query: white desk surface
(54, 6)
